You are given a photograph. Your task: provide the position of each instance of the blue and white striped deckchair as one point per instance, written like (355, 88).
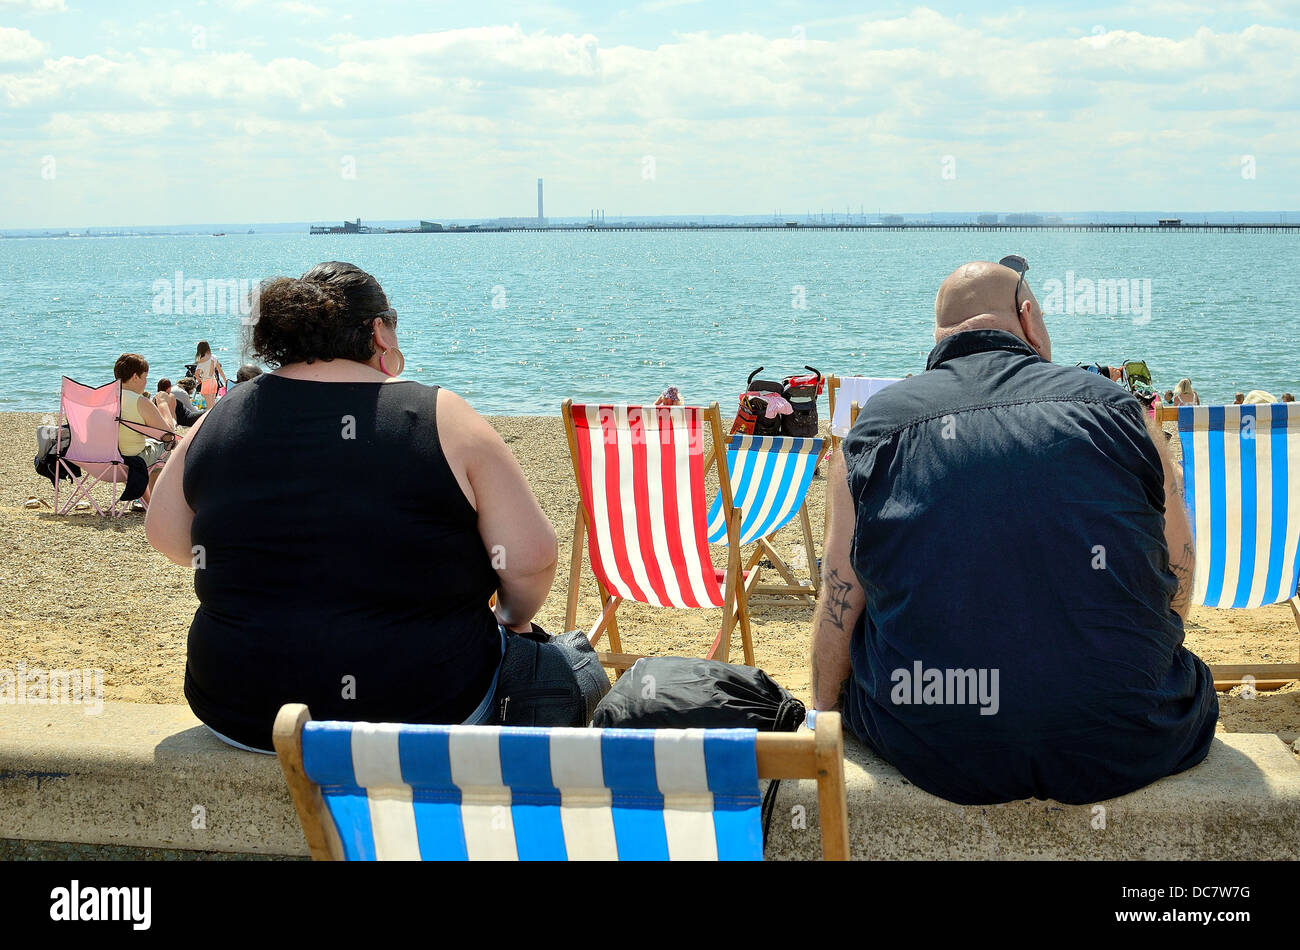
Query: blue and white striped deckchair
(769, 478)
(1241, 478)
(368, 792)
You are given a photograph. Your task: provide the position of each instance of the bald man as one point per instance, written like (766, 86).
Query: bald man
(1003, 585)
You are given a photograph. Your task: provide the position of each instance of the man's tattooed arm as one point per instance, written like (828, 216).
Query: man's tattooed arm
(836, 602)
(1183, 566)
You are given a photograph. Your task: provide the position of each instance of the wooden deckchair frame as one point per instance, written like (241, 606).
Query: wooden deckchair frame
(736, 593)
(777, 593)
(781, 755)
(1262, 675)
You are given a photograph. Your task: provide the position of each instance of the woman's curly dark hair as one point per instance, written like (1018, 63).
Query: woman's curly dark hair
(326, 314)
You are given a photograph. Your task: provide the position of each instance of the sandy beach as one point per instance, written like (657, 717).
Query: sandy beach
(82, 591)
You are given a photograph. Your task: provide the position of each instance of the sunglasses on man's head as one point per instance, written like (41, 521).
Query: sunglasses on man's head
(1020, 266)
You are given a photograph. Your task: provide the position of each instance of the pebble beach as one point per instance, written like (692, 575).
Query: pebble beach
(87, 592)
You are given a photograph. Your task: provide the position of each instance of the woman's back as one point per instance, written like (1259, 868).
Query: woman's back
(338, 561)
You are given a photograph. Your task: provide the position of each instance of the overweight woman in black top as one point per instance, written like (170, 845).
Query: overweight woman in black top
(347, 528)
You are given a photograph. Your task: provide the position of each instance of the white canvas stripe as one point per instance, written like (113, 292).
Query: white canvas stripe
(1201, 468)
(1263, 539)
(659, 536)
(1232, 539)
(600, 510)
(585, 813)
(765, 505)
(392, 821)
(627, 505)
(679, 761)
(475, 756)
(799, 462)
(706, 591)
(587, 818)
(378, 770)
(688, 804)
(688, 827)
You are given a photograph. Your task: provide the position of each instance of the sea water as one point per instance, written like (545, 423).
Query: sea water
(518, 321)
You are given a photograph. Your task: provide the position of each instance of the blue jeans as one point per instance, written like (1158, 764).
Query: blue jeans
(477, 718)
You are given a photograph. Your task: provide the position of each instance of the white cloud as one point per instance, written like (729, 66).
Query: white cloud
(295, 8)
(19, 46)
(35, 6)
(866, 107)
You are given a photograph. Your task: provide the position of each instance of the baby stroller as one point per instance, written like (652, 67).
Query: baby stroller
(788, 407)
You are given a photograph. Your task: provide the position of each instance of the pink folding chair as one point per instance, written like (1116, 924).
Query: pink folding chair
(93, 415)
(640, 473)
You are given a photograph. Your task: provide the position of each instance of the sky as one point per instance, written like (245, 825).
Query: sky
(119, 112)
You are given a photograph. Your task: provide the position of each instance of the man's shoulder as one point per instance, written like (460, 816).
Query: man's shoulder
(1034, 386)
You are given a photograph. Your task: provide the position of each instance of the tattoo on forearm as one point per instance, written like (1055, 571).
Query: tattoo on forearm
(837, 598)
(1183, 567)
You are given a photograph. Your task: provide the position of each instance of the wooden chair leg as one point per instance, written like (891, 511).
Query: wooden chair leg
(810, 550)
(615, 643)
(742, 594)
(575, 569)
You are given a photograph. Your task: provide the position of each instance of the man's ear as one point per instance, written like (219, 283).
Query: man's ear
(1034, 329)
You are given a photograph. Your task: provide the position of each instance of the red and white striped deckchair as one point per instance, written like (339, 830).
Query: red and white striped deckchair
(640, 473)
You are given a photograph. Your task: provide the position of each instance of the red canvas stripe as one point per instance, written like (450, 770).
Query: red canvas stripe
(584, 433)
(614, 505)
(646, 427)
(668, 449)
(697, 509)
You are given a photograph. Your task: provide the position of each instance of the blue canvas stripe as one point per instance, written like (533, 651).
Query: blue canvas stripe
(350, 810)
(1191, 477)
(636, 806)
(535, 801)
(759, 491)
(1249, 505)
(1218, 509)
(730, 760)
(438, 824)
(327, 753)
(423, 752)
(716, 522)
(1273, 583)
(774, 517)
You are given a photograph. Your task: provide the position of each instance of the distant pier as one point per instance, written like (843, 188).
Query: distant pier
(1181, 227)
(1185, 226)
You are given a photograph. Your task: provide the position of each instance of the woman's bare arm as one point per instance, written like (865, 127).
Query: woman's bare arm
(167, 525)
(516, 534)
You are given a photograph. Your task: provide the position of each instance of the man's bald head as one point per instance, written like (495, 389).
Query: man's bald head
(982, 295)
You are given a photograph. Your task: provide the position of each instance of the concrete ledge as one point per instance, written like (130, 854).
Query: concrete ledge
(138, 775)
(1241, 803)
(147, 776)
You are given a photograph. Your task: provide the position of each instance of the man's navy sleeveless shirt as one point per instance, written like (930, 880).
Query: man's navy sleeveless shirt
(1010, 524)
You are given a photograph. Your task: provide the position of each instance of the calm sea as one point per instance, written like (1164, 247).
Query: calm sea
(516, 322)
